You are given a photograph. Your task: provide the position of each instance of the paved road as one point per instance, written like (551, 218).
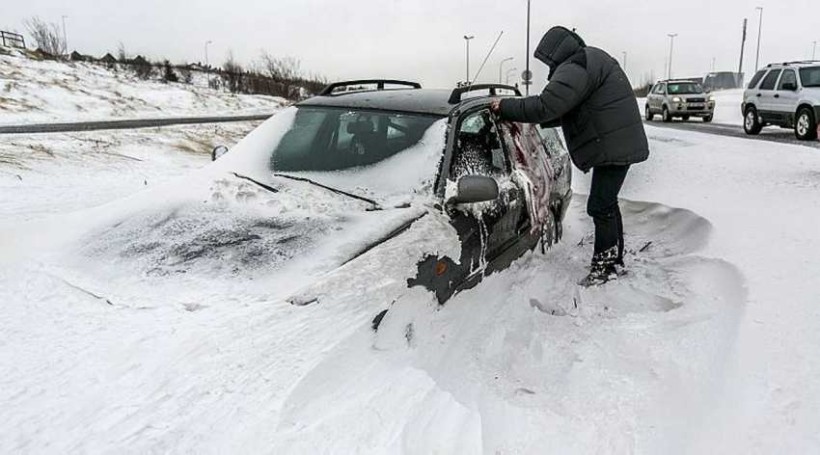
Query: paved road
(124, 124)
(771, 134)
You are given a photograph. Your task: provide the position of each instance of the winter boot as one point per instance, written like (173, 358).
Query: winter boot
(602, 269)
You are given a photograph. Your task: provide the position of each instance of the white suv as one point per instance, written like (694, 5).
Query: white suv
(786, 95)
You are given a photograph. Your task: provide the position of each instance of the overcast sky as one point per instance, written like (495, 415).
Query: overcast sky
(422, 39)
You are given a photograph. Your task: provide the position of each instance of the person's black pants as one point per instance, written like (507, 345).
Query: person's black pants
(602, 206)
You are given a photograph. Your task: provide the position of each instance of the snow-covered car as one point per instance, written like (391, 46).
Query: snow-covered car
(785, 95)
(425, 187)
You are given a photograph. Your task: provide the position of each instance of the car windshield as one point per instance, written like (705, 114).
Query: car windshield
(385, 156)
(684, 88)
(810, 76)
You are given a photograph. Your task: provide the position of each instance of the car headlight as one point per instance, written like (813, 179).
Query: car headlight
(712, 98)
(676, 99)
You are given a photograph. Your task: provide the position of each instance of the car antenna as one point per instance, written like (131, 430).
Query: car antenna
(485, 59)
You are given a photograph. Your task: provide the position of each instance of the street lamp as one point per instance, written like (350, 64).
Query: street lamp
(467, 40)
(671, 49)
(206, 53)
(501, 68)
(509, 72)
(759, 29)
(528, 81)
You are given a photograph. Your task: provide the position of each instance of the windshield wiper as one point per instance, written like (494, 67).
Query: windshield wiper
(375, 205)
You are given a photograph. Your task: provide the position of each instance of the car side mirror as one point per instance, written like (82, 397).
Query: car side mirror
(475, 188)
(218, 151)
(790, 86)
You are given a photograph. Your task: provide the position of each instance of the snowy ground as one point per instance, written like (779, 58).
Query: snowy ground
(34, 91)
(47, 174)
(707, 346)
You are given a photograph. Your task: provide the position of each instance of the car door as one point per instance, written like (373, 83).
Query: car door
(487, 229)
(786, 97)
(766, 107)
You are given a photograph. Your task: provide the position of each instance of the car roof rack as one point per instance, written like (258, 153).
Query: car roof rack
(380, 83)
(455, 96)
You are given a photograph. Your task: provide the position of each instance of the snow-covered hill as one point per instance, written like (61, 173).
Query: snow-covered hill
(709, 345)
(33, 91)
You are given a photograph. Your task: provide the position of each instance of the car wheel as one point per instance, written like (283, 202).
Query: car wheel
(665, 115)
(751, 124)
(708, 118)
(805, 127)
(649, 115)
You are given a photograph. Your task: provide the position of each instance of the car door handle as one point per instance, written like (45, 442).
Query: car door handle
(777, 96)
(758, 95)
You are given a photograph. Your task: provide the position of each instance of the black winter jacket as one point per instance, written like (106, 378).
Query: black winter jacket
(589, 95)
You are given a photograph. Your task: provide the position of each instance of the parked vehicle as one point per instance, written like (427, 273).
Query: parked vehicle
(722, 80)
(438, 156)
(680, 98)
(785, 95)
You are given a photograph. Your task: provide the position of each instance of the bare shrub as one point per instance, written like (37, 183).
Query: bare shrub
(185, 74)
(47, 36)
(122, 54)
(232, 74)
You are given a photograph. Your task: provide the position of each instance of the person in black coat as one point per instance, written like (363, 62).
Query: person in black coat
(590, 97)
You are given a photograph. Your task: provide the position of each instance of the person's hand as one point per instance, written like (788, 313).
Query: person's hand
(495, 106)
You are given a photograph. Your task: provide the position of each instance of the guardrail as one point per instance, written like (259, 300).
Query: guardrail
(10, 39)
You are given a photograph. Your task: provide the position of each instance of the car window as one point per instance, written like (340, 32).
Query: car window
(478, 148)
(684, 88)
(756, 78)
(380, 155)
(810, 77)
(659, 89)
(770, 80)
(789, 77)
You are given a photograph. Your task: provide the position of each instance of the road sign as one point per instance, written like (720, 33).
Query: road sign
(526, 76)
(527, 82)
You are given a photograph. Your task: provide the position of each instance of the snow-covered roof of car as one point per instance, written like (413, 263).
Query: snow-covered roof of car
(417, 101)
(797, 63)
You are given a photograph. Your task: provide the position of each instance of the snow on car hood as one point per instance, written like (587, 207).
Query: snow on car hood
(231, 220)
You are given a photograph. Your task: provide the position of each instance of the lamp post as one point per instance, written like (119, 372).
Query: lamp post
(206, 53)
(759, 29)
(671, 50)
(510, 71)
(527, 86)
(467, 39)
(814, 50)
(501, 68)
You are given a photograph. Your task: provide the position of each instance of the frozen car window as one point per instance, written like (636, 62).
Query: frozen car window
(478, 148)
(375, 154)
(810, 76)
(685, 88)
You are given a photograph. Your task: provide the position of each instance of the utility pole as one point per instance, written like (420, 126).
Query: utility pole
(501, 68)
(713, 64)
(671, 49)
(65, 37)
(206, 53)
(759, 30)
(467, 40)
(527, 83)
(742, 47)
(814, 50)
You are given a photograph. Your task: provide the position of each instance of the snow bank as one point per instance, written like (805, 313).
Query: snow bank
(48, 91)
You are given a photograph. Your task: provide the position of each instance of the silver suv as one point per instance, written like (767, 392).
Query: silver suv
(679, 98)
(786, 95)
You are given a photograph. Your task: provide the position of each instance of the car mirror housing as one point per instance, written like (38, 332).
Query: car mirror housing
(218, 151)
(475, 188)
